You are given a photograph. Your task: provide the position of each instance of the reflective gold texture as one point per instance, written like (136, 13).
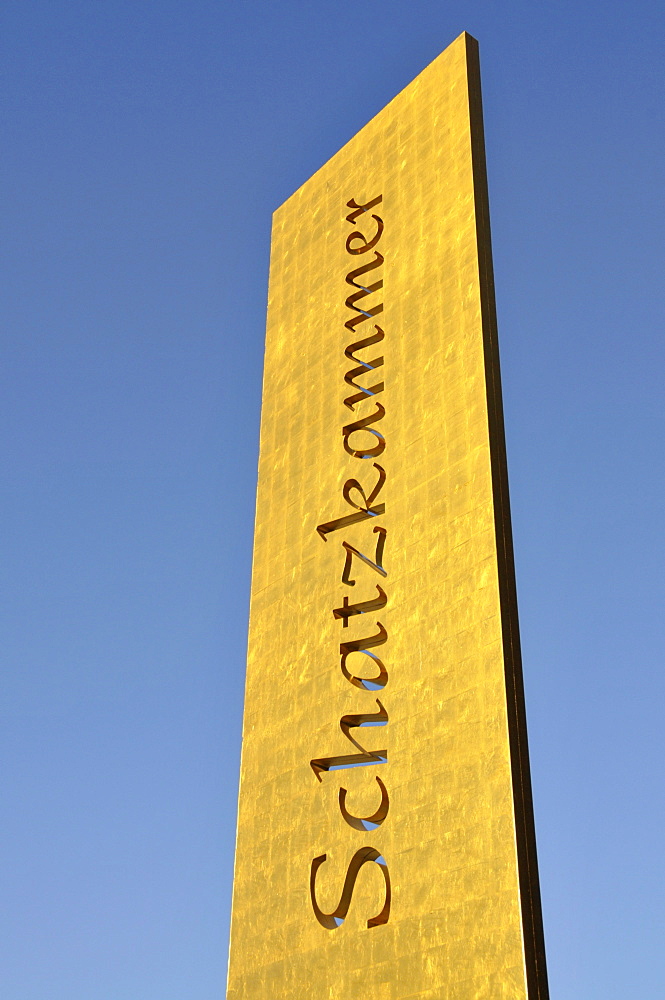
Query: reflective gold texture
(413, 873)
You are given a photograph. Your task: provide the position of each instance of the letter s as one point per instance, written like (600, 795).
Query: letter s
(334, 919)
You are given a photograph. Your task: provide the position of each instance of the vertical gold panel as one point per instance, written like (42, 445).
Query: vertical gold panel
(457, 841)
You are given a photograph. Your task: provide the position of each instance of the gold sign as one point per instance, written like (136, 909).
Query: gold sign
(385, 843)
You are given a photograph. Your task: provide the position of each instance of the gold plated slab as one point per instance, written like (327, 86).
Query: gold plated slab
(385, 844)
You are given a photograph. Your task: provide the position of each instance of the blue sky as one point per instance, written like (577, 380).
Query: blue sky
(145, 147)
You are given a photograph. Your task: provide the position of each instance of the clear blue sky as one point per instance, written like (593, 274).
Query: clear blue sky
(145, 146)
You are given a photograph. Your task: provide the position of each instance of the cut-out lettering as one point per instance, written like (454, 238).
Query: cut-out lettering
(358, 242)
(363, 440)
(366, 822)
(361, 209)
(343, 760)
(372, 390)
(360, 719)
(346, 724)
(362, 646)
(344, 522)
(363, 314)
(376, 564)
(362, 369)
(374, 338)
(333, 920)
(363, 425)
(363, 290)
(364, 511)
(353, 484)
(361, 607)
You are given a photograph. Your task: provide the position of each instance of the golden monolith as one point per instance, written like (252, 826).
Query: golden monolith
(385, 843)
